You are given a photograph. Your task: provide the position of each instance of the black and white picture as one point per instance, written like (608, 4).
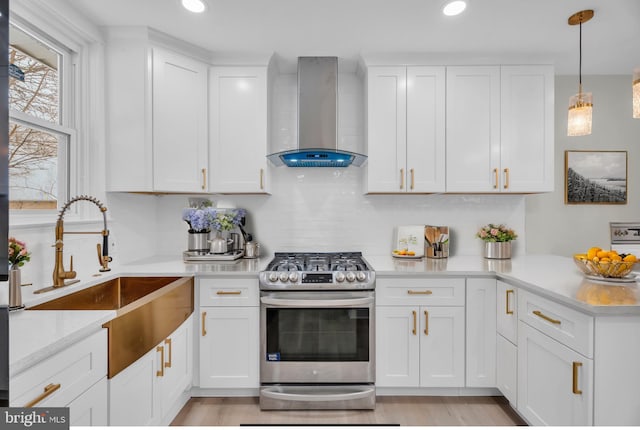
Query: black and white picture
(595, 177)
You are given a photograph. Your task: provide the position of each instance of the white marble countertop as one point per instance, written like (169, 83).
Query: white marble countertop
(37, 334)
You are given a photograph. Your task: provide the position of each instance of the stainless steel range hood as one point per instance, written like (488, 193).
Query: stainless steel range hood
(317, 119)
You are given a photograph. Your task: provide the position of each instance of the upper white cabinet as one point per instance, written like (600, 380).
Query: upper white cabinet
(500, 129)
(238, 129)
(405, 129)
(156, 116)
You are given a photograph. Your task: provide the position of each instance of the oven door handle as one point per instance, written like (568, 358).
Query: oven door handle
(317, 303)
(316, 397)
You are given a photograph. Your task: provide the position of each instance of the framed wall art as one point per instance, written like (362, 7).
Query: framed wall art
(595, 177)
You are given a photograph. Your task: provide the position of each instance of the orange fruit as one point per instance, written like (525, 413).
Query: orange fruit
(602, 254)
(592, 252)
(630, 258)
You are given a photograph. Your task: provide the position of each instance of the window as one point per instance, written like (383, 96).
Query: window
(39, 136)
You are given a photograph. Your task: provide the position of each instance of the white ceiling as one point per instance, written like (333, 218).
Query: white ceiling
(349, 28)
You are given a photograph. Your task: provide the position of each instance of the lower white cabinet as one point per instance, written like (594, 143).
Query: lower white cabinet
(148, 392)
(74, 378)
(229, 333)
(420, 346)
(481, 332)
(555, 383)
(507, 369)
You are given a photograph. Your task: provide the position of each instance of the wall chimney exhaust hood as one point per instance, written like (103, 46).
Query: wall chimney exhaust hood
(317, 119)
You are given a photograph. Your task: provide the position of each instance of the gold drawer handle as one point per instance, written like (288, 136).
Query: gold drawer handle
(506, 178)
(412, 179)
(48, 390)
(168, 343)
(508, 311)
(425, 292)
(204, 179)
(426, 323)
(262, 179)
(160, 349)
(544, 317)
(495, 173)
(402, 179)
(576, 366)
(415, 322)
(228, 293)
(204, 318)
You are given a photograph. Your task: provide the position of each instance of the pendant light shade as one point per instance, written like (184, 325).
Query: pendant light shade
(636, 93)
(581, 104)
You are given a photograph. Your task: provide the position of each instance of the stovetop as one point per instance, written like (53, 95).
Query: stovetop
(317, 271)
(318, 262)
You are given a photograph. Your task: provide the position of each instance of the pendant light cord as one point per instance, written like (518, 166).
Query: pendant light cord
(580, 58)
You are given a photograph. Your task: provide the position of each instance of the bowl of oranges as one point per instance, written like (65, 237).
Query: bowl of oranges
(605, 263)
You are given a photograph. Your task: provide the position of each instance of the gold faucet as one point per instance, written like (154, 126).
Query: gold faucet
(59, 273)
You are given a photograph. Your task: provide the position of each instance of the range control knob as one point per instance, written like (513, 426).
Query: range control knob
(293, 276)
(360, 276)
(273, 276)
(284, 276)
(351, 276)
(340, 277)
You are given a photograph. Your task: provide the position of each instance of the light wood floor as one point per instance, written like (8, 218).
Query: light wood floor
(390, 410)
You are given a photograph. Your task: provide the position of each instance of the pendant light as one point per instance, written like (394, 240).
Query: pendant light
(581, 104)
(636, 93)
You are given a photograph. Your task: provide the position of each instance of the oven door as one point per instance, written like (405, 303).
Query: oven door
(317, 337)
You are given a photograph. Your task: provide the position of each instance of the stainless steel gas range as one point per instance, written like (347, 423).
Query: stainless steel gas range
(317, 332)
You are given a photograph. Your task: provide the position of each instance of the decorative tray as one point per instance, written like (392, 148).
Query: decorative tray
(199, 256)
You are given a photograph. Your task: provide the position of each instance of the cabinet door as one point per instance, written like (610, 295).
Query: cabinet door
(179, 123)
(473, 129)
(481, 333)
(507, 311)
(507, 369)
(386, 129)
(229, 347)
(526, 138)
(238, 133)
(91, 408)
(442, 346)
(133, 393)
(425, 129)
(397, 346)
(555, 383)
(178, 365)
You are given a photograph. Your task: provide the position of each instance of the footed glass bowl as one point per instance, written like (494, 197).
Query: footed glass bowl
(613, 269)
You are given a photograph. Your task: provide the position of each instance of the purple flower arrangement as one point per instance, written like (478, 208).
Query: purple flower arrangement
(204, 219)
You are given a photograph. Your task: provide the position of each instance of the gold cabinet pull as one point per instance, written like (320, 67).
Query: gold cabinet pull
(204, 318)
(506, 178)
(544, 317)
(204, 179)
(426, 323)
(425, 292)
(167, 342)
(160, 349)
(415, 323)
(412, 178)
(228, 293)
(495, 174)
(402, 179)
(262, 179)
(507, 310)
(48, 390)
(576, 366)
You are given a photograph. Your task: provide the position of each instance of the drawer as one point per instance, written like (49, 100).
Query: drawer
(569, 327)
(229, 291)
(420, 291)
(64, 375)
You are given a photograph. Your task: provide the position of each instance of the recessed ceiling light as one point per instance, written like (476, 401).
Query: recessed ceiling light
(196, 6)
(454, 8)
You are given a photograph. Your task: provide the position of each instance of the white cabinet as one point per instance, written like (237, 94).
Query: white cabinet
(156, 106)
(500, 129)
(238, 129)
(506, 306)
(419, 341)
(153, 389)
(405, 129)
(555, 383)
(229, 333)
(481, 333)
(72, 378)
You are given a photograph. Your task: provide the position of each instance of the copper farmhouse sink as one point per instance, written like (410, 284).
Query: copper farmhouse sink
(148, 309)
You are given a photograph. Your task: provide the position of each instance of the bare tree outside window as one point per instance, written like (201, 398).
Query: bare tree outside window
(33, 149)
